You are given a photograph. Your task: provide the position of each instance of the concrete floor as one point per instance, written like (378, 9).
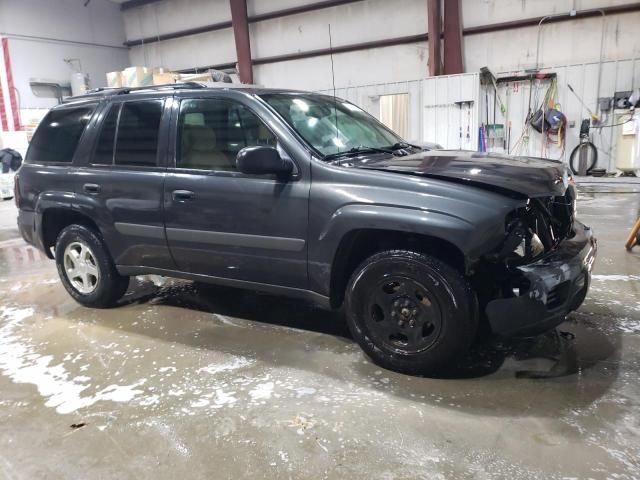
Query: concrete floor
(190, 382)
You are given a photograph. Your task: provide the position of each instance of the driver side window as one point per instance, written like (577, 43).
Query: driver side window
(212, 131)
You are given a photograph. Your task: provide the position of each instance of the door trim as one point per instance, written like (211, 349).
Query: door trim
(138, 230)
(235, 239)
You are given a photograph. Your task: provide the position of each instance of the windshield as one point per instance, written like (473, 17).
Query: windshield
(331, 126)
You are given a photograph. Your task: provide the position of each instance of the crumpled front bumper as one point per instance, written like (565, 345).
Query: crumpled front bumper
(557, 285)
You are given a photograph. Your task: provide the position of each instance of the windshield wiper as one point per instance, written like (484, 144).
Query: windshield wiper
(401, 145)
(355, 151)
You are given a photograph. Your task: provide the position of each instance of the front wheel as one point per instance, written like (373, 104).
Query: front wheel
(86, 269)
(411, 312)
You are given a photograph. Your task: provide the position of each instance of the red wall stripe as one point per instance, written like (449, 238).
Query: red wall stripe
(3, 114)
(12, 90)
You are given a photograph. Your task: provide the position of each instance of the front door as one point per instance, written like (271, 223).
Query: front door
(222, 223)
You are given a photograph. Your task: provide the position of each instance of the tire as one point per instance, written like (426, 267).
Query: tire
(393, 290)
(575, 157)
(97, 283)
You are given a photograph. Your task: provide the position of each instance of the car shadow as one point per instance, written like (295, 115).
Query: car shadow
(505, 376)
(553, 354)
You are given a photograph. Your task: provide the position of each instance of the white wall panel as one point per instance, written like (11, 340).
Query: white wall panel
(98, 22)
(577, 41)
(433, 114)
(43, 33)
(483, 12)
(350, 24)
(174, 15)
(445, 121)
(37, 60)
(210, 48)
(381, 65)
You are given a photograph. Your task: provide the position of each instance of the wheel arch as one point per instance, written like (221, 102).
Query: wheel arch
(55, 219)
(359, 244)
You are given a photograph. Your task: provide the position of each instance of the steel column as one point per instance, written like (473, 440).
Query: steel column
(434, 31)
(241, 34)
(452, 38)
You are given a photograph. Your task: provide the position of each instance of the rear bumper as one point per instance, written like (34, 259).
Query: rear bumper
(27, 227)
(557, 285)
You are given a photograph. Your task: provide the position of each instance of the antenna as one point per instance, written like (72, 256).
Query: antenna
(333, 76)
(333, 81)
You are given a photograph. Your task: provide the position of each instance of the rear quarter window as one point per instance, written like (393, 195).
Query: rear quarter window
(57, 136)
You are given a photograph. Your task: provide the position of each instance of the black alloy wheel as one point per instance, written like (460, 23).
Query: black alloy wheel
(411, 312)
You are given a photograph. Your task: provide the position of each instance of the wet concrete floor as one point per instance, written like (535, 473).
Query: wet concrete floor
(192, 381)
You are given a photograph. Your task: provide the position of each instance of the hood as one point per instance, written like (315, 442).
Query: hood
(530, 176)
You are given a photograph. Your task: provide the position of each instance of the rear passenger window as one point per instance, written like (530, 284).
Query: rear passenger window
(104, 149)
(137, 142)
(57, 137)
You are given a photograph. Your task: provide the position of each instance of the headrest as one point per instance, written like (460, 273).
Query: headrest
(194, 119)
(200, 139)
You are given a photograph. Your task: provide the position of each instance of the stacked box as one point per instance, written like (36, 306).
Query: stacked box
(196, 77)
(114, 79)
(137, 77)
(163, 78)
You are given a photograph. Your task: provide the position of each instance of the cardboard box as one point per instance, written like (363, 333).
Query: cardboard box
(137, 77)
(114, 79)
(195, 77)
(164, 78)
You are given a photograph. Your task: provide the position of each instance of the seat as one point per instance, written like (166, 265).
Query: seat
(200, 150)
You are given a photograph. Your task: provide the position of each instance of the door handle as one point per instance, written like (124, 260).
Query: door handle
(182, 195)
(91, 188)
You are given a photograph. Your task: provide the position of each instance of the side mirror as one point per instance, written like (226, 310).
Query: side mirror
(262, 160)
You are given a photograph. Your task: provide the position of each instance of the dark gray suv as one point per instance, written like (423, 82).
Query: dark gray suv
(304, 195)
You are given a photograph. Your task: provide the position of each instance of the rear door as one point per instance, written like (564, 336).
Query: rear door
(121, 183)
(221, 222)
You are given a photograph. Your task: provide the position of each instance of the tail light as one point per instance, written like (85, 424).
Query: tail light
(16, 190)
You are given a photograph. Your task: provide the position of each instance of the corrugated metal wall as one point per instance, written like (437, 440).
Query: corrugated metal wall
(433, 113)
(623, 75)
(435, 116)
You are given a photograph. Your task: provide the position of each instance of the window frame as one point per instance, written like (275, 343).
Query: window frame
(161, 153)
(106, 113)
(96, 108)
(175, 130)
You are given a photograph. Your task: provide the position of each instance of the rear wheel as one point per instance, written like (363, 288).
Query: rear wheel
(411, 312)
(86, 268)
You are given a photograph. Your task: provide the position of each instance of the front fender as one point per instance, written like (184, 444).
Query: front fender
(411, 220)
(465, 235)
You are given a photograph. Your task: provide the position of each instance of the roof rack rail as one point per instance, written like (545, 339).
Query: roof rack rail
(125, 90)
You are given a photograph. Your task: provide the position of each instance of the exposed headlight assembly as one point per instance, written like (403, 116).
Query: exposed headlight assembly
(520, 245)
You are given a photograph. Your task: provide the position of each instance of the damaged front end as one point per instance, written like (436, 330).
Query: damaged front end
(542, 269)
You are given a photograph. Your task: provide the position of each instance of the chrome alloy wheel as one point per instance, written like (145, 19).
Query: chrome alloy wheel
(81, 267)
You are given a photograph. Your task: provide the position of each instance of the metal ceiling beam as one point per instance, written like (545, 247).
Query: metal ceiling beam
(222, 25)
(241, 36)
(433, 21)
(387, 42)
(452, 38)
